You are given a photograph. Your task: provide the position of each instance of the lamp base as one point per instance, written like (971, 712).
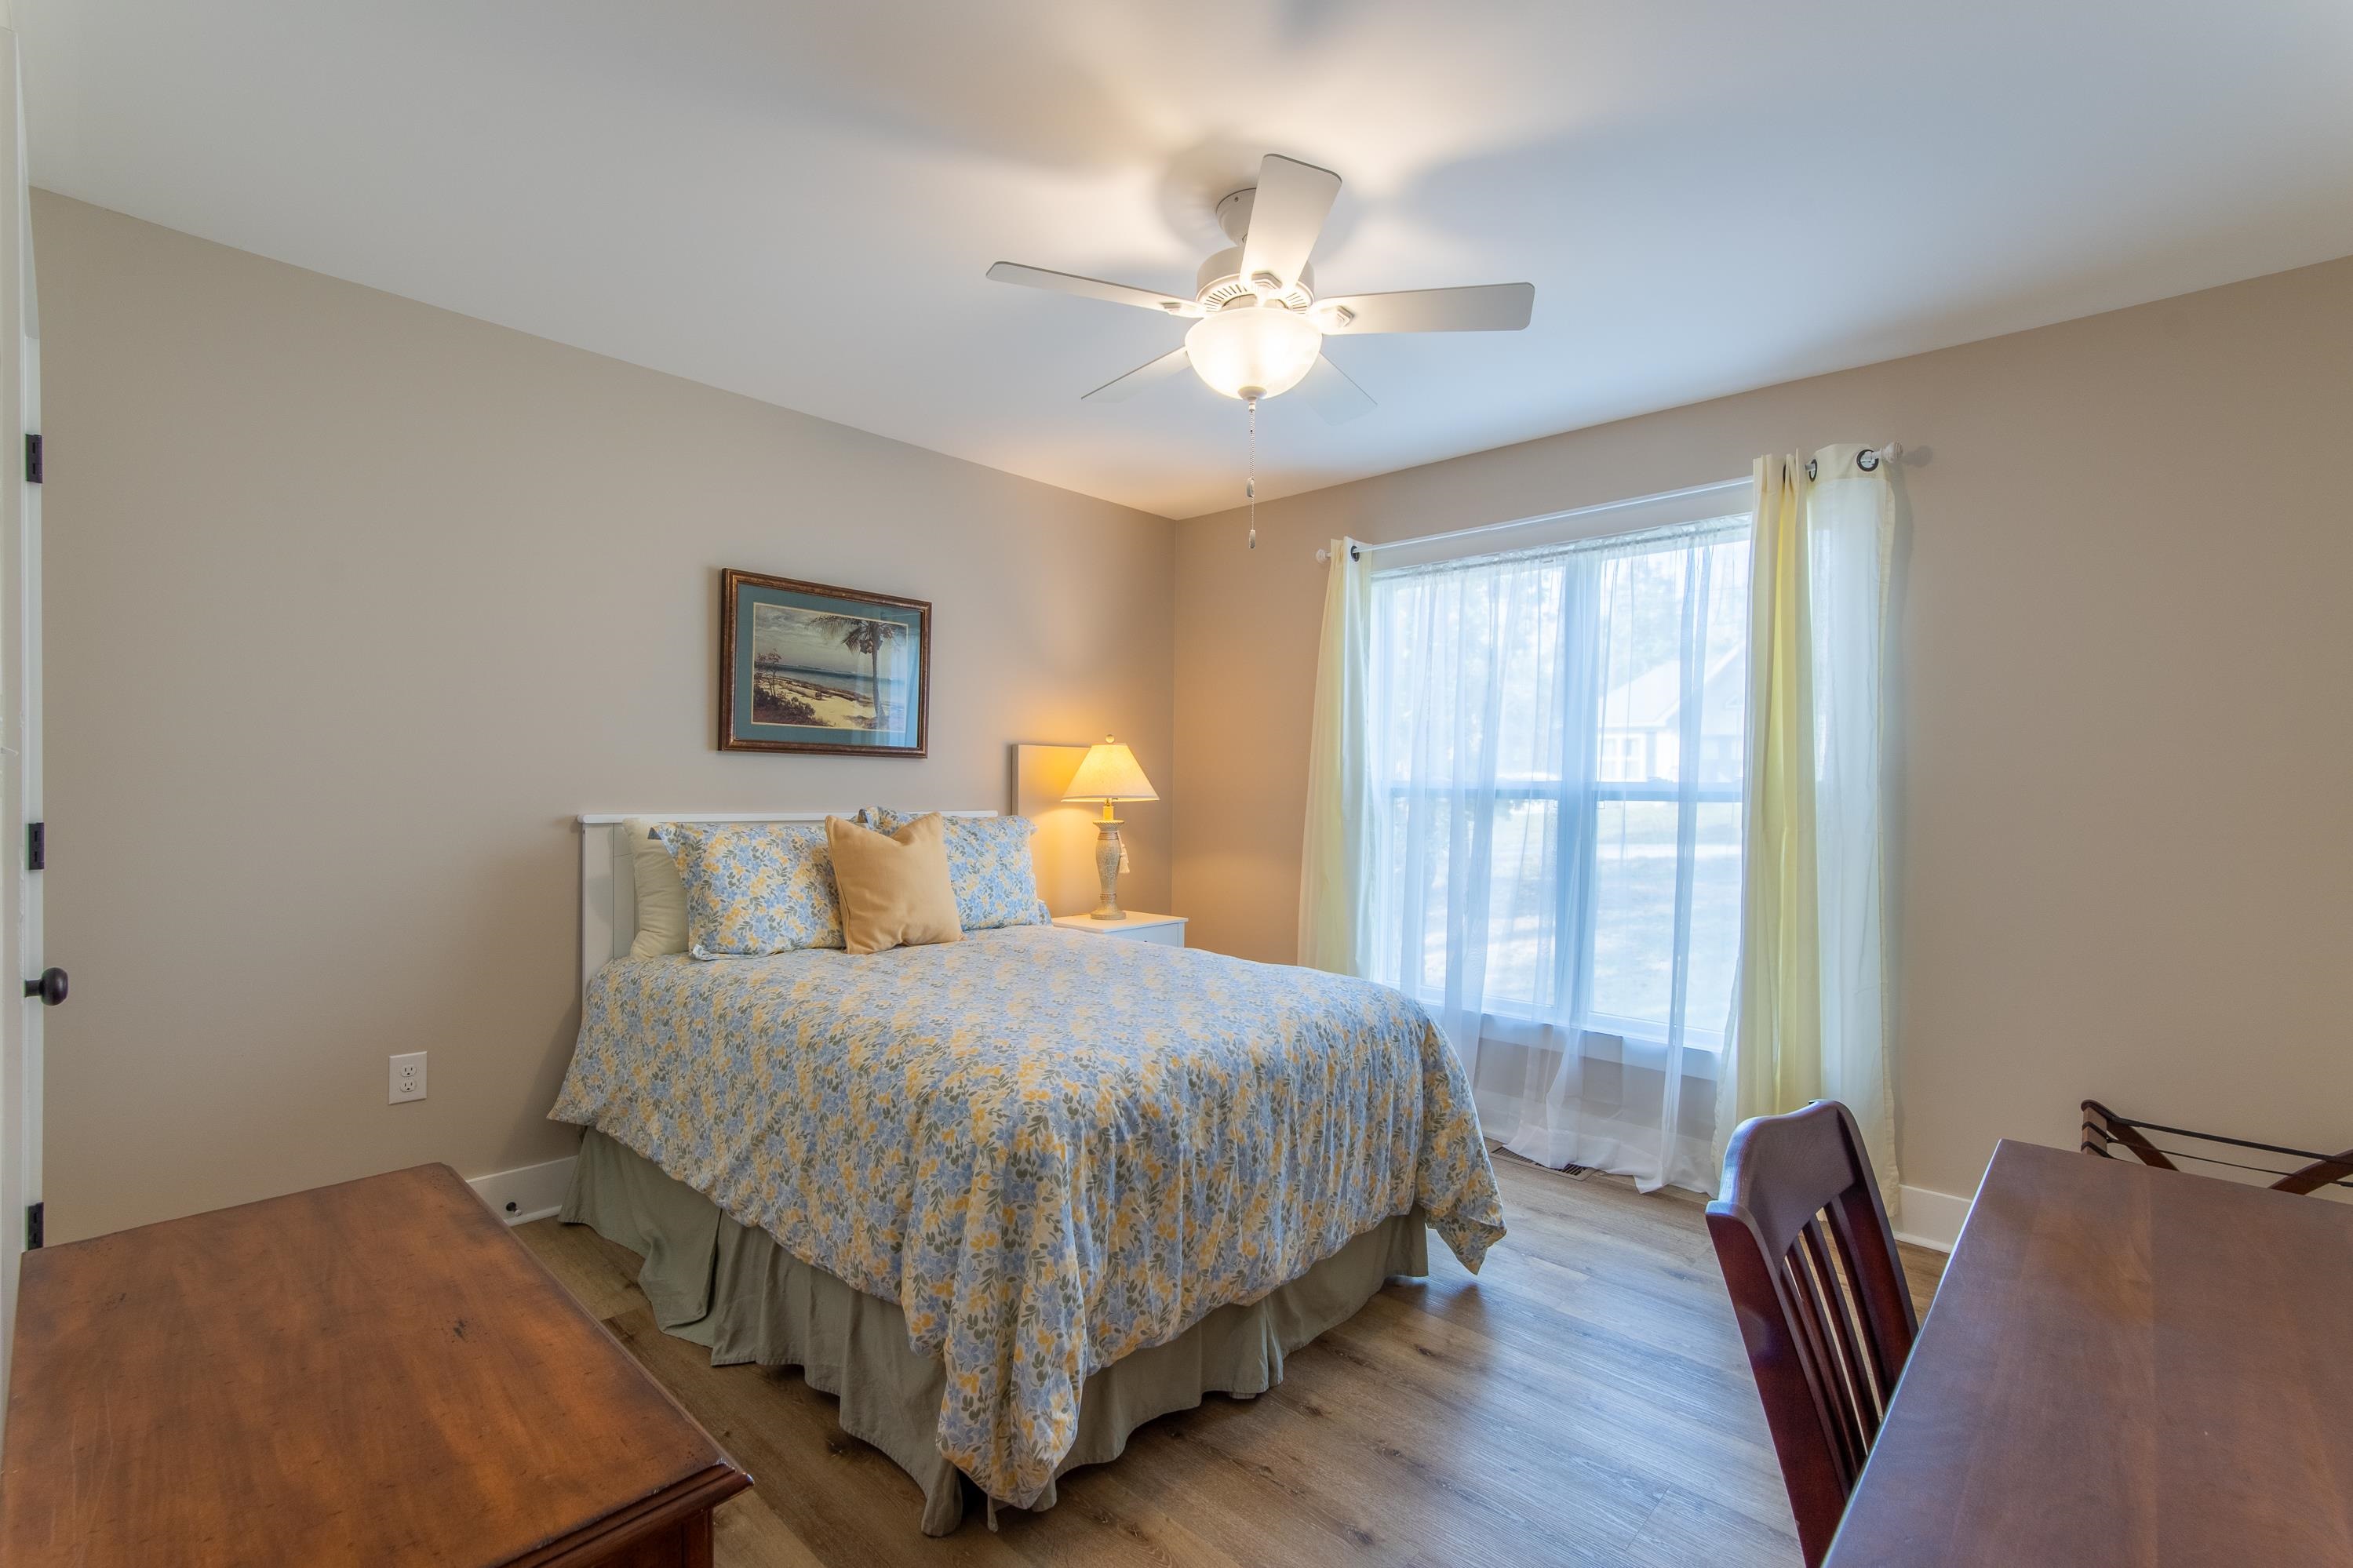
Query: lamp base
(1107, 851)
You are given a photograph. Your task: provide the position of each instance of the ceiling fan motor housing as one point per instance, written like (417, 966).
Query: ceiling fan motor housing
(1220, 282)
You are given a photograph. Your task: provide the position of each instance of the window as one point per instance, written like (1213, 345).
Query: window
(1558, 739)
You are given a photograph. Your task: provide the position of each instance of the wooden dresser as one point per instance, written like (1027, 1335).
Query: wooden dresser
(374, 1373)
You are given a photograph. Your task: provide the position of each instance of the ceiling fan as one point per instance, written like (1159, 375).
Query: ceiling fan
(1257, 326)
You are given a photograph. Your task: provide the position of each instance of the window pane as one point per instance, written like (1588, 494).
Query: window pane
(1561, 741)
(1715, 920)
(1520, 897)
(1519, 907)
(1634, 909)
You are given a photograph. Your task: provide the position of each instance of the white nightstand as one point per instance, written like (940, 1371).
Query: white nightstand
(1168, 931)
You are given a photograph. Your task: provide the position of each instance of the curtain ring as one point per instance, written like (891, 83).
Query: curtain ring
(1867, 459)
(1813, 468)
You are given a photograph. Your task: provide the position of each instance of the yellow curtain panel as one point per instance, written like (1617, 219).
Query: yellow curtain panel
(1812, 1017)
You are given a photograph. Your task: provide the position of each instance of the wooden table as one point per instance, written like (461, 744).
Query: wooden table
(374, 1373)
(2124, 1367)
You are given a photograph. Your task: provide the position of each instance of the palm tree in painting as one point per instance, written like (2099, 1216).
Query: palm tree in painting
(867, 638)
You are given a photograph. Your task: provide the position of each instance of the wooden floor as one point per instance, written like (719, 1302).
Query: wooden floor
(1583, 1401)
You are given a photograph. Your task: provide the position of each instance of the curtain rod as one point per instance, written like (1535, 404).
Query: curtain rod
(1874, 456)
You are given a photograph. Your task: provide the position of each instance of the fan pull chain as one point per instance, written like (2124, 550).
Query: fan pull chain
(1250, 478)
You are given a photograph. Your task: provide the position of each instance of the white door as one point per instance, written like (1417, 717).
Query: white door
(20, 705)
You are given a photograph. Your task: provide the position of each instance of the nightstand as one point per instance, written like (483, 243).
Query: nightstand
(1167, 930)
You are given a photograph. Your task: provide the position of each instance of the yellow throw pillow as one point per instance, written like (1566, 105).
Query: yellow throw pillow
(894, 890)
(661, 896)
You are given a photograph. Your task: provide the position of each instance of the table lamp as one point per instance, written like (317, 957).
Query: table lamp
(1108, 774)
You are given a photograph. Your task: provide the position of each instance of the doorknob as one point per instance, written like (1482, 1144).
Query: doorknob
(50, 987)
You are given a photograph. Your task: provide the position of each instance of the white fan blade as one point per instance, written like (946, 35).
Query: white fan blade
(1094, 288)
(1483, 308)
(1329, 392)
(1286, 216)
(1142, 376)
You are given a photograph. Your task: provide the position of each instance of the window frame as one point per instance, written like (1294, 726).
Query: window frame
(1594, 527)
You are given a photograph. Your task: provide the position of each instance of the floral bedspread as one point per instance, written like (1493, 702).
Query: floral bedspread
(1050, 1149)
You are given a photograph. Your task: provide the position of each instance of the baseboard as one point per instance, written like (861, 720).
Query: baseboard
(1932, 1220)
(532, 1192)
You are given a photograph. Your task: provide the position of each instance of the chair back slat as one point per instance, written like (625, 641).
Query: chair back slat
(1889, 1320)
(1820, 1292)
(1814, 1354)
(1859, 1408)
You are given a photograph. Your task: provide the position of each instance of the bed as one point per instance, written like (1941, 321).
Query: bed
(1011, 1198)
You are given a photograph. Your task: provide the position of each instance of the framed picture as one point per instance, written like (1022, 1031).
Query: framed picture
(805, 667)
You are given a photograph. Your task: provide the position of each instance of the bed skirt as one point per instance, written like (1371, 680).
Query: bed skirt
(731, 1288)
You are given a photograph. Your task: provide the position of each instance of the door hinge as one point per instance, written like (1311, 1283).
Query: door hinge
(32, 1227)
(36, 846)
(32, 460)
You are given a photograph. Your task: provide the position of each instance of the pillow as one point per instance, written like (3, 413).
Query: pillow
(755, 888)
(988, 864)
(661, 896)
(894, 890)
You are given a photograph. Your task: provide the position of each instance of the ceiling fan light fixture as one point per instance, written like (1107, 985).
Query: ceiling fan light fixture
(1253, 351)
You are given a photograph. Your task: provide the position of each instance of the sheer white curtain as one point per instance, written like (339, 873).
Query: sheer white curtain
(1853, 525)
(1554, 742)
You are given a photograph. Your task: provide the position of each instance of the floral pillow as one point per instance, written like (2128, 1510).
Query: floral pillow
(755, 888)
(988, 865)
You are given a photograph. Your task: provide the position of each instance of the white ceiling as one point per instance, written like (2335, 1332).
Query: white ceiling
(796, 199)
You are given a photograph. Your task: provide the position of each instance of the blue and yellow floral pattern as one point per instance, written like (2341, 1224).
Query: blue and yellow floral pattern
(1050, 1150)
(755, 888)
(990, 866)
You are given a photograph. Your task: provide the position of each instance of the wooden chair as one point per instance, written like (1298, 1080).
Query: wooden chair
(1820, 1292)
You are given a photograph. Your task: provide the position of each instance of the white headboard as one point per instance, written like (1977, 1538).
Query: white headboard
(609, 874)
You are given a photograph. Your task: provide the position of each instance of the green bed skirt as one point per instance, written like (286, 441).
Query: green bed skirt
(734, 1291)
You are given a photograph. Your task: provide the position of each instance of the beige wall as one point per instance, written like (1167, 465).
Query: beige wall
(353, 604)
(2128, 694)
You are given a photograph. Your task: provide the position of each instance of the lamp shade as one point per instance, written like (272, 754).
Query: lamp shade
(1253, 351)
(1109, 773)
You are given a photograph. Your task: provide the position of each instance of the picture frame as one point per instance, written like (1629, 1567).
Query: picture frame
(809, 667)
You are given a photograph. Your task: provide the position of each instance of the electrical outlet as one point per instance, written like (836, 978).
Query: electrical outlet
(409, 1076)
